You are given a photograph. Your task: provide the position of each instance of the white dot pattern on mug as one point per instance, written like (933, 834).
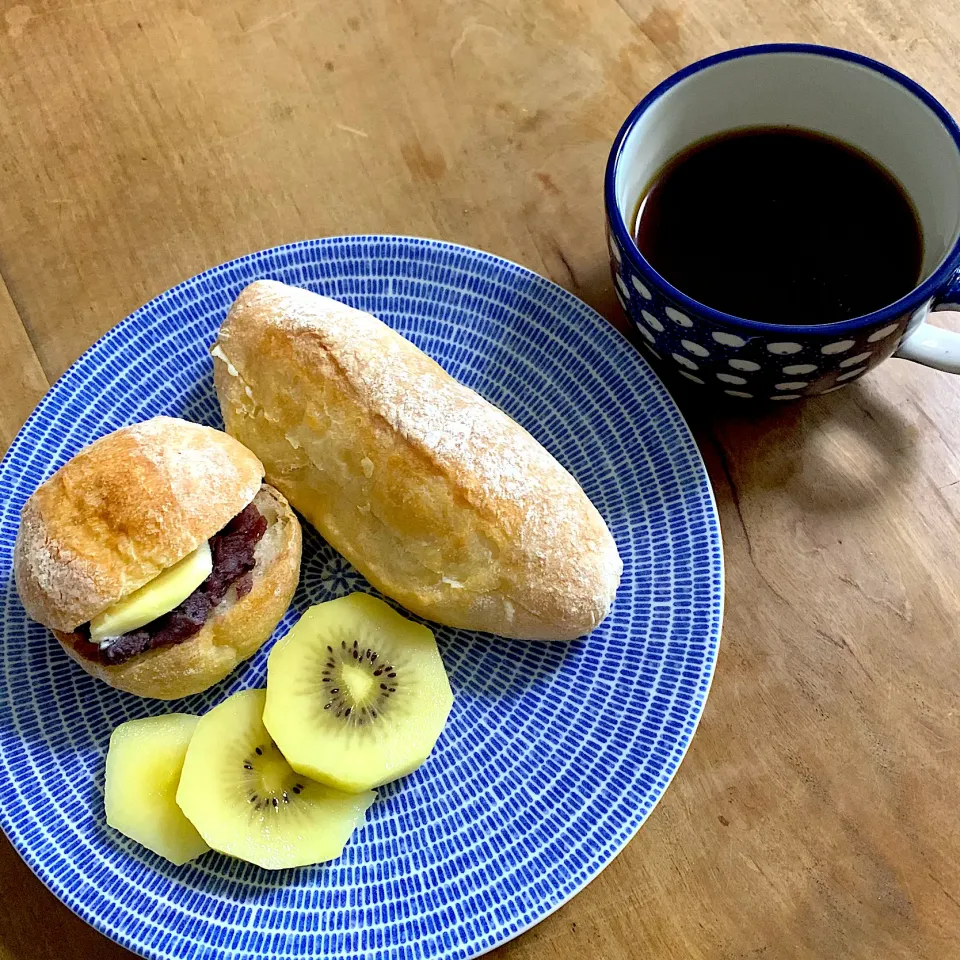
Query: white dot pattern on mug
(685, 361)
(641, 289)
(623, 300)
(783, 348)
(622, 287)
(728, 339)
(786, 396)
(677, 317)
(813, 361)
(853, 361)
(738, 393)
(831, 389)
(841, 346)
(652, 320)
(690, 376)
(695, 348)
(883, 333)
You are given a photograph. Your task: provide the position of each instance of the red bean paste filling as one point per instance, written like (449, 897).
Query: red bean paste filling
(233, 562)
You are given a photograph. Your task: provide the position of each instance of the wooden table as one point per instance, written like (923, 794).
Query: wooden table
(143, 140)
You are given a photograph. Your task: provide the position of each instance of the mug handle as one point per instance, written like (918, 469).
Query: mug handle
(934, 346)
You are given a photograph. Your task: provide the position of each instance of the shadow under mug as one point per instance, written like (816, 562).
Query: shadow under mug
(846, 96)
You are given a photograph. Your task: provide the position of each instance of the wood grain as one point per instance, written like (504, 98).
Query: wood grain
(20, 371)
(815, 815)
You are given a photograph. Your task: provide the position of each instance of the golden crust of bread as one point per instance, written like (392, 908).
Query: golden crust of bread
(122, 510)
(442, 501)
(235, 630)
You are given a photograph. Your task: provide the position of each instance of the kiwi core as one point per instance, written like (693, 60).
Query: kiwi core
(269, 781)
(355, 683)
(359, 682)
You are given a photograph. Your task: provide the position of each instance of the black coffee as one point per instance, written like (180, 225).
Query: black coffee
(781, 225)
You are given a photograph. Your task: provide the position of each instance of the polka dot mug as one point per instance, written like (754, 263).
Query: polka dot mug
(846, 96)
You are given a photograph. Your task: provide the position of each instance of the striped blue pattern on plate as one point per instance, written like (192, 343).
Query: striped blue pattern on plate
(553, 755)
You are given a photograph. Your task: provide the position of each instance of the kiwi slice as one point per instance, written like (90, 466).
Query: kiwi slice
(356, 694)
(246, 801)
(143, 770)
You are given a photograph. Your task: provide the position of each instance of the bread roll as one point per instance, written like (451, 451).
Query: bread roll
(130, 506)
(442, 501)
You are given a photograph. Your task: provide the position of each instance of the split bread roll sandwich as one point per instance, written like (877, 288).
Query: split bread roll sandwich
(442, 501)
(158, 557)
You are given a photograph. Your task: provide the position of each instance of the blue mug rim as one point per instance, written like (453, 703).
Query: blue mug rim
(927, 290)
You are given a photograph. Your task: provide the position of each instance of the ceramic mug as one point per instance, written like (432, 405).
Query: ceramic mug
(849, 97)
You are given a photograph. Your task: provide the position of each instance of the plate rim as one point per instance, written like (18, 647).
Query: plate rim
(717, 554)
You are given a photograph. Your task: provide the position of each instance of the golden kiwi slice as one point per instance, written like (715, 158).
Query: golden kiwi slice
(356, 694)
(246, 801)
(143, 770)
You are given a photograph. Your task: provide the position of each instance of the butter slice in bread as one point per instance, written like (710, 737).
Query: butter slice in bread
(441, 500)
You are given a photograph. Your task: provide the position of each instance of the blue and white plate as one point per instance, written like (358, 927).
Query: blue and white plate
(554, 753)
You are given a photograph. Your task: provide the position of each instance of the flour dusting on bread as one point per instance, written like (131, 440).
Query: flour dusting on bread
(443, 501)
